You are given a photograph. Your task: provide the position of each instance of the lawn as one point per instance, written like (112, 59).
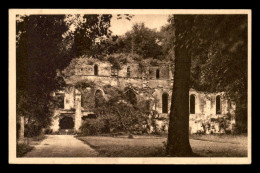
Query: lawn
(125, 147)
(152, 146)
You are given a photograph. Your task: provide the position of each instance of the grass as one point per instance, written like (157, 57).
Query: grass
(125, 147)
(234, 139)
(220, 145)
(152, 146)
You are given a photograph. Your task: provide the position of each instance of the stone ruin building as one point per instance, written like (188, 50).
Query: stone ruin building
(152, 83)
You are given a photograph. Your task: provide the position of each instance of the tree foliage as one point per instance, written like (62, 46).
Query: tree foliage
(39, 54)
(90, 33)
(140, 40)
(143, 41)
(216, 48)
(45, 44)
(218, 45)
(167, 36)
(222, 63)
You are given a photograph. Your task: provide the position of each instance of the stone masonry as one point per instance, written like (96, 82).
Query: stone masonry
(148, 82)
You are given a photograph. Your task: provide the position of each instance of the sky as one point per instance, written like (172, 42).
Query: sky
(152, 21)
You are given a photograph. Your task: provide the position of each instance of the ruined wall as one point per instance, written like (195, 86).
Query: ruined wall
(206, 119)
(148, 86)
(134, 68)
(55, 121)
(69, 98)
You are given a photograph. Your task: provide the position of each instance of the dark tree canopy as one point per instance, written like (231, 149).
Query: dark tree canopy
(90, 33)
(217, 45)
(210, 55)
(140, 40)
(45, 44)
(39, 55)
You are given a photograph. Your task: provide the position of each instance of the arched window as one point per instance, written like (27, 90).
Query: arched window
(165, 103)
(157, 74)
(192, 104)
(128, 72)
(131, 97)
(95, 70)
(218, 110)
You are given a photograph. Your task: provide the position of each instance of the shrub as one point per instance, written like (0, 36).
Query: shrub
(130, 136)
(32, 130)
(216, 125)
(116, 114)
(123, 117)
(48, 131)
(92, 126)
(115, 118)
(22, 149)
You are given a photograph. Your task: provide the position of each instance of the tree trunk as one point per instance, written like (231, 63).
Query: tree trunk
(178, 134)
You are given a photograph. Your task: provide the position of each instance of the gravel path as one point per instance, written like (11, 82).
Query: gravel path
(62, 146)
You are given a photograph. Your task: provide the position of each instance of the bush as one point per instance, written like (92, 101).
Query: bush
(115, 118)
(117, 114)
(92, 126)
(32, 130)
(22, 149)
(48, 131)
(123, 117)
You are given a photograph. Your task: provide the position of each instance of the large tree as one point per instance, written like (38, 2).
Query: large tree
(39, 54)
(215, 46)
(178, 133)
(45, 44)
(142, 41)
(90, 32)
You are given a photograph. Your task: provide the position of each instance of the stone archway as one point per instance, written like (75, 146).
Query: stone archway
(66, 123)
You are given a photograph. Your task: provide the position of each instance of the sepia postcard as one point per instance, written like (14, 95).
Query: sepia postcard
(121, 86)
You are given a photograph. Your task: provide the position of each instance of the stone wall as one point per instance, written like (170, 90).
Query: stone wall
(206, 119)
(147, 86)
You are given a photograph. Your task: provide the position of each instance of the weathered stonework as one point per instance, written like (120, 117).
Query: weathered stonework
(153, 83)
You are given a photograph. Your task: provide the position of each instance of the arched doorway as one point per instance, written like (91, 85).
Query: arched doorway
(165, 103)
(66, 123)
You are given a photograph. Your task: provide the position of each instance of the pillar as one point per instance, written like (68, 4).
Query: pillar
(77, 110)
(21, 133)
